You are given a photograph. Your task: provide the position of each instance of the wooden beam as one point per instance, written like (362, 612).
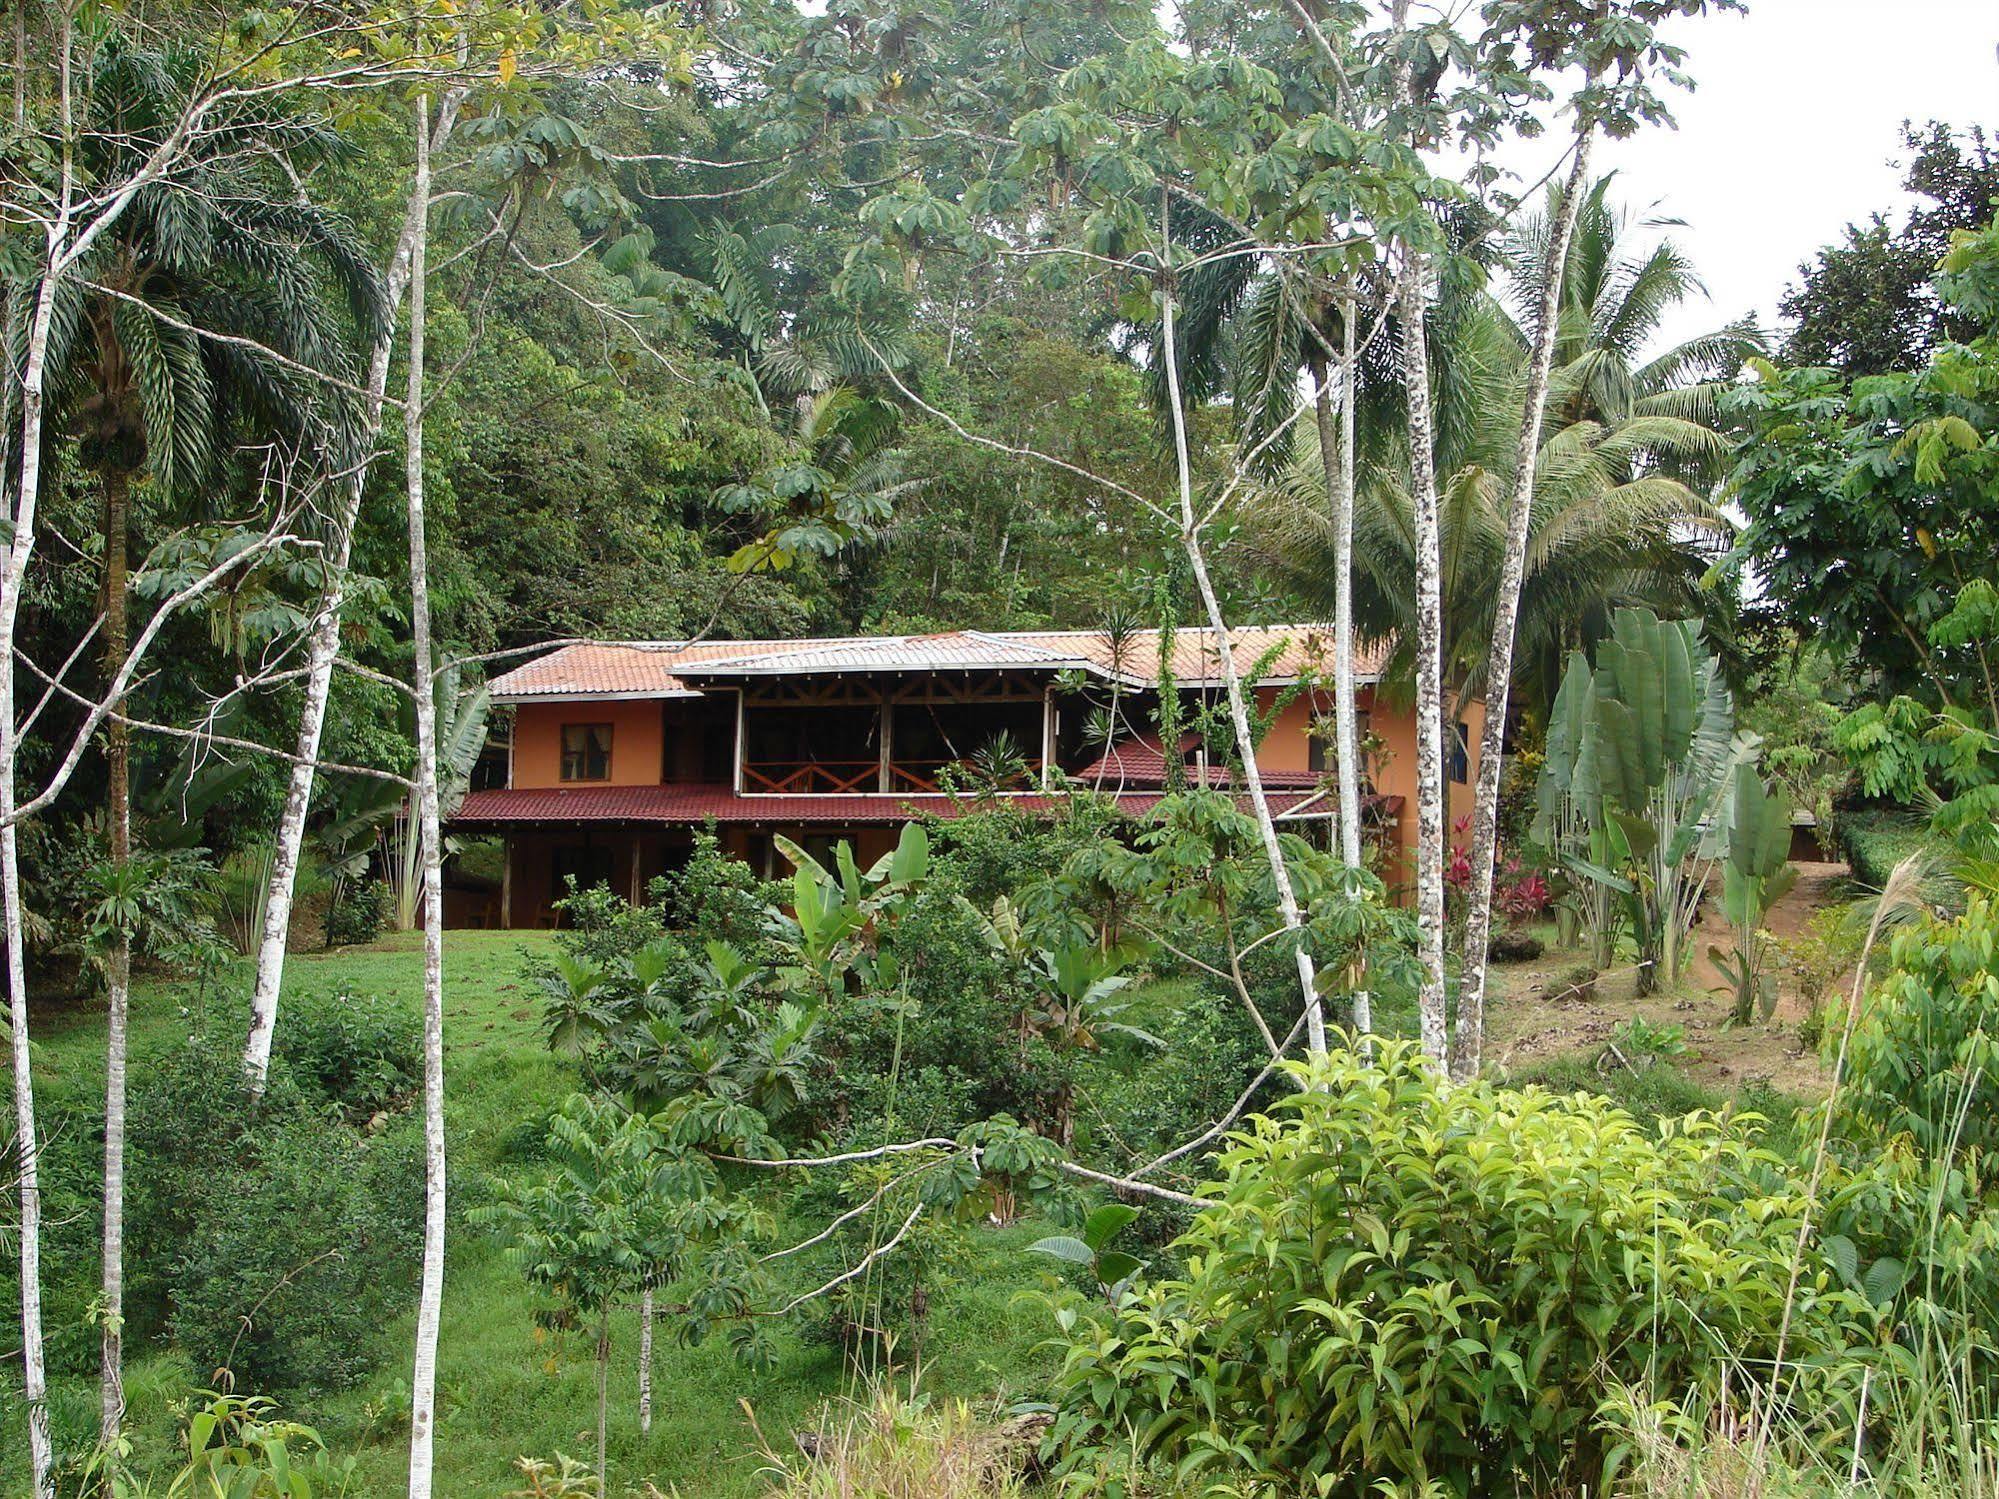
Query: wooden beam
(885, 724)
(507, 873)
(737, 758)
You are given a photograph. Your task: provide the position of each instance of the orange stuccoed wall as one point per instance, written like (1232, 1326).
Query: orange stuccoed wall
(1288, 747)
(635, 741)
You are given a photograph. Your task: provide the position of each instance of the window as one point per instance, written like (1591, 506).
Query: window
(1458, 754)
(586, 752)
(1322, 751)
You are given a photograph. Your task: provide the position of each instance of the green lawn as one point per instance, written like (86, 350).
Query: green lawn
(504, 1392)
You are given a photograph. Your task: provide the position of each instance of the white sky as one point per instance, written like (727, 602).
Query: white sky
(1793, 130)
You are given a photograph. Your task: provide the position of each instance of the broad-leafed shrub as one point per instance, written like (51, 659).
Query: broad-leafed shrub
(1924, 1058)
(360, 1051)
(1401, 1282)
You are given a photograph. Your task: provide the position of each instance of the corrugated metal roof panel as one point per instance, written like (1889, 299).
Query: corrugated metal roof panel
(1196, 659)
(670, 668)
(953, 650)
(639, 668)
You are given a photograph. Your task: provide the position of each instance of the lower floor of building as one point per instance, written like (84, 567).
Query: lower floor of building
(538, 864)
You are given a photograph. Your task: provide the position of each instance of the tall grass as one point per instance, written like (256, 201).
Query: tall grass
(1915, 1414)
(893, 1445)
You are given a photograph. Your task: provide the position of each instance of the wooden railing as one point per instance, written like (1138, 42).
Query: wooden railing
(822, 776)
(834, 777)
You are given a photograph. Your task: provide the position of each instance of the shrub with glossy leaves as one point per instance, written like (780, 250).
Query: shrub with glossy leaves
(360, 1051)
(1924, 1059)
(1402, 1283)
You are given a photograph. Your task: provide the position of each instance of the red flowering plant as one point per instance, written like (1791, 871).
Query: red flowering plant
(1523, 894)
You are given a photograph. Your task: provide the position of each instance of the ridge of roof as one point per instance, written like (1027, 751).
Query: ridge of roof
(652, 668)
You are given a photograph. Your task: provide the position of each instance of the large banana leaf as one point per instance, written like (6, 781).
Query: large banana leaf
(1760, 844)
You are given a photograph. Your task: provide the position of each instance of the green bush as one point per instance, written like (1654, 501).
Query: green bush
(282, 1224)
(1875, 840)
(359, 1051)
(1404, 1283)
(358, 915)
(1924, 1059)
(301, 1253)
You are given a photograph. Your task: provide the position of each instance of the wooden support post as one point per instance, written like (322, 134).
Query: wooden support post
(1048, 734)
(507, 874)
(885, 772)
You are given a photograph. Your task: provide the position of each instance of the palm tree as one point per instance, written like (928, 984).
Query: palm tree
(1621, 515)
(1615, 299)
(196, 319)
(837, 486)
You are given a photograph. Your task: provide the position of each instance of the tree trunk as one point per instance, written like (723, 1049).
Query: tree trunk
(1469, 1040)
(323, 649)
(1432, 996)
(118, 963)
(603, 1395)
(34, 1377)
(423, 1376)
(1190, 539)
(1412, 295)
(1336, 457)
(645, 1361)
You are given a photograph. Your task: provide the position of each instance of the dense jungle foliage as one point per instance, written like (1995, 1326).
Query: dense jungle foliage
(1601, 1141)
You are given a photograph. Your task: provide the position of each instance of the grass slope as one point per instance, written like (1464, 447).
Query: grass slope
(504, 1390)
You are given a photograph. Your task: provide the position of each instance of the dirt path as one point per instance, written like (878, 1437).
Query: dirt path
(1539, 1020)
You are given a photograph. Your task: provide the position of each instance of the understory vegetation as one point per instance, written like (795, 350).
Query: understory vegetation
(1533, 1035)
(1363, 1293)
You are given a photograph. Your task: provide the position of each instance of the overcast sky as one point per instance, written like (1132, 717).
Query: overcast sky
(1793, 131)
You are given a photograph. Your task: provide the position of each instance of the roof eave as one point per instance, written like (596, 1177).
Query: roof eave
(574, 695)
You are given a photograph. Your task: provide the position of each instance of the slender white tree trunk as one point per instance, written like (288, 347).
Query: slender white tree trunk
(1468, 1042)
(423, 1376)
(645, 1361)
(1432, 996)
(118, 976)
(323, 648)
(603, 1396)
(1190, 539)
(1336, 456)
(34, 1376)
(1413, 296)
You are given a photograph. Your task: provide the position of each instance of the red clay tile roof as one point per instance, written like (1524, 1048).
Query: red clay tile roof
(610, 669)
(1140, 763)
(692, 804)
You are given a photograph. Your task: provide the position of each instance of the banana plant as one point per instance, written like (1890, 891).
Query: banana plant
(1756, 874)
(1078, 1002)
(1589, 907)
(1633, 791)
(835, 912)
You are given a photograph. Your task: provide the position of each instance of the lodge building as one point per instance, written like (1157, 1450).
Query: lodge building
(618, 752)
